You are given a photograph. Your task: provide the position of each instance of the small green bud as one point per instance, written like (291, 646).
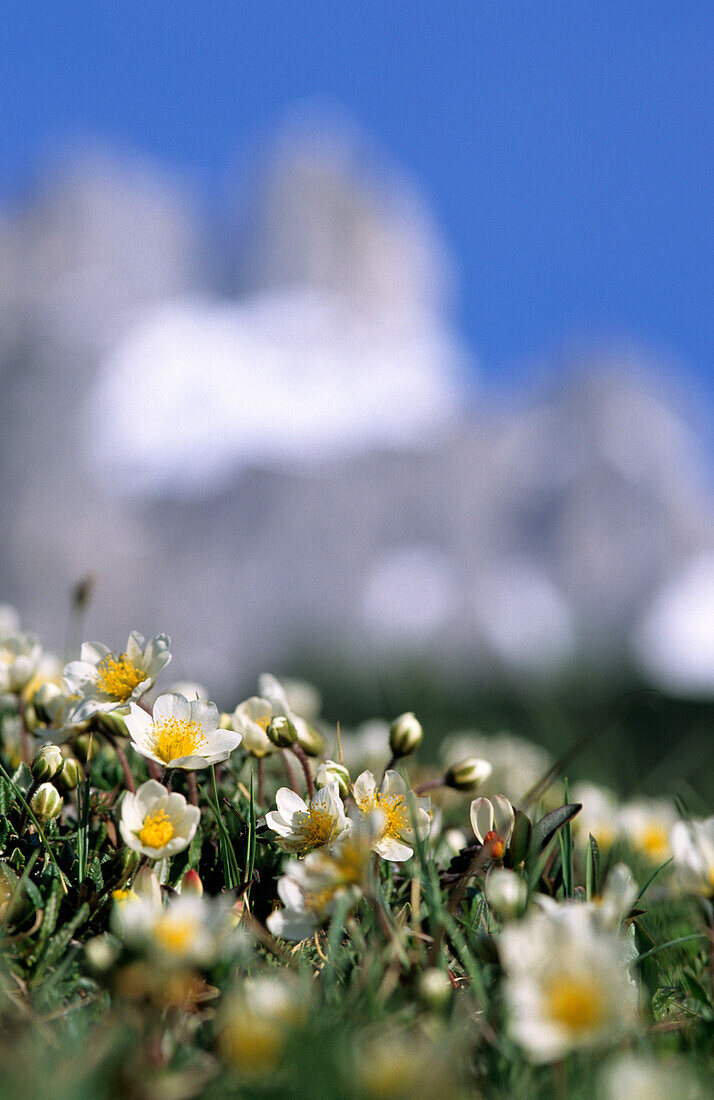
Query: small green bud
(282, 732)
(329, 771)
(48, 763)
(468, 774)
(405, 734)
(110, 723)
(46, 803)
(85, 746)
(310, 739)
(71, 775)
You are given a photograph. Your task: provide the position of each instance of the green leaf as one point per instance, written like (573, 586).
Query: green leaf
(545, 829)
(592, 869)
(520, 838)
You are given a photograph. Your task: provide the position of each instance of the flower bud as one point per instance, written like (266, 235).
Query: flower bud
(46, 802)
(71, 775)
(405, 734)
(435, 989)
(101, 954)
(48, 701)
(224, 722)
(281, 732)
(329, 771)
(86, 747)
(506, 892)
(147, 886)
(468, 774)
(110, 723)
(310, 739)
(48, 763)
(191, 884)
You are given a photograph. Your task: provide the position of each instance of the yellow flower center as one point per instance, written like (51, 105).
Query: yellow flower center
(120, 896)
(263, 723)
(575, 1004)
(394, 808)
(316, 826)
(157, 829)
(176, 737)
(117, 676)
(655, 841)
(174, 935)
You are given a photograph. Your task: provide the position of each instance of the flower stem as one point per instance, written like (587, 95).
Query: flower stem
(305, 765)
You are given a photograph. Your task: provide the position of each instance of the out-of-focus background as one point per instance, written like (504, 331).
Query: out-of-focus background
(371, 343)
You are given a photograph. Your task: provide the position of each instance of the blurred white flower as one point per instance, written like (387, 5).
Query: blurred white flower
(567, 982)
(189, 930)
(692, 845)
(310, 889)
(634, 1077)
(301, 826)
(406, 816)
(180, 734)
(157, 822)
(646, 824)
(19, 657)
(9, 621)
(598, 816)
(506, 892)
(105, 681)
(517, 764)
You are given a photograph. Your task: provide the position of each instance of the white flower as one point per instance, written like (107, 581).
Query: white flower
(598, 816)
(300, 826)
(493, 819)
(311, 888)
(633, 1077)
(402, 811)
(105, 681)
(19, 657)
(180, 734)
(646, 824)
(156, 822)
(568, 986)
(693, 850)
(189, 930)
(251, 719)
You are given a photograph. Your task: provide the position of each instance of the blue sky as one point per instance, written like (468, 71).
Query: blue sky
(566, 149)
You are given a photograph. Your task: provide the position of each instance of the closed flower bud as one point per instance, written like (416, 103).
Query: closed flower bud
(101, 954)
(405, 734)
(435, 989)
(330, 771)
(110, 723)
(70, 776)
(46, 802)
(191, 884)
(48, 701)
(224, 722)
(282, 732)
(469, 774)
(85, 746)
(309, 739)
(48, 763)
(506, 892)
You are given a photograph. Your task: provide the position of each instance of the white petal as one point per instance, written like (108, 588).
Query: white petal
(365, 785)
(481, 814)
(289, 803)
(206, 714)
(503, 817)
(172, 705)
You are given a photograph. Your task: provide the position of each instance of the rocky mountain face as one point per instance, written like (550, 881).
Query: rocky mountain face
(307, 465)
